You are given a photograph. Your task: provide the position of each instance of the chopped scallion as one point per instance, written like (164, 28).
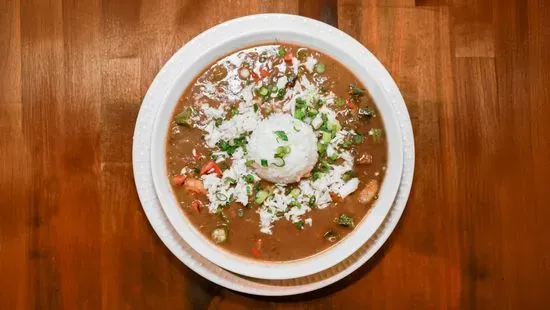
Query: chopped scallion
(261, 196)
(263, 162)
(312, 112)
(295, 192)
(279, 162)
(263, 91)
(220, 196)
(320, 67)
(281, 135)
(326, 138)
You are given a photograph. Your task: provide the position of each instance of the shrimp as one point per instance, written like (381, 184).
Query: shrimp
(195, 186)
(369, 192)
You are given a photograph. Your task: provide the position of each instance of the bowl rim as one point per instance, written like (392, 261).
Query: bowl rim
(232, 35)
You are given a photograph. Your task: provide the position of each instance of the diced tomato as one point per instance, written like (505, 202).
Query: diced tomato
(255, 76)
(179, 180)
(350, 105)
(264, 72)
(211, 167)
(255, 252)
(197, 205)
(288, 57)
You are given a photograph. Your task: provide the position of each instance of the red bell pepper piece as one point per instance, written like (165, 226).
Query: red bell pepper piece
(211, 167)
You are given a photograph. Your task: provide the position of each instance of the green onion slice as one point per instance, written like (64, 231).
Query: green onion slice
(221, 197)
(279, 162)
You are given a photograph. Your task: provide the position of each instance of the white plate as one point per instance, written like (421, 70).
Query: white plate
(160, 223)
(218, 41)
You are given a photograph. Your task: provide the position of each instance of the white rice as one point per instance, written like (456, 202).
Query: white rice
(301, 141)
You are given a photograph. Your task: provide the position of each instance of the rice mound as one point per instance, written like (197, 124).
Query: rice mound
(298, 162)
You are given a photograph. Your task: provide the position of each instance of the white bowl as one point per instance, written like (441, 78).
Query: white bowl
(220, 40)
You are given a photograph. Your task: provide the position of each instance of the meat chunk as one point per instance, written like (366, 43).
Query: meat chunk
(179, 180)
(369, 192)
(194, 186)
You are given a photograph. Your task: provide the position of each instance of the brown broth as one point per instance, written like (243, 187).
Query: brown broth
(286, 242)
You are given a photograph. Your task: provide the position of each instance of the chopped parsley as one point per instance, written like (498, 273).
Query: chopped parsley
(249, 163)
(356, 92)
(218, 122)
(366, 113)
(300, 224)
(340, 102)
(300, 103)
(311, 201)
(281, 94)
(377, 134)
(281, 51)
(347, 144)
(348, 175)
(263, 162)
(299, 114)
(344, 221)
(249, 178)
(232, 145)
(230, 181)
(358, 139)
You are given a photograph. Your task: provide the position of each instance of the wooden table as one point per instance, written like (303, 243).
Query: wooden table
(475, 75)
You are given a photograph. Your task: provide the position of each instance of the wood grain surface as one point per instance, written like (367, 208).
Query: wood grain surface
(476, 78)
